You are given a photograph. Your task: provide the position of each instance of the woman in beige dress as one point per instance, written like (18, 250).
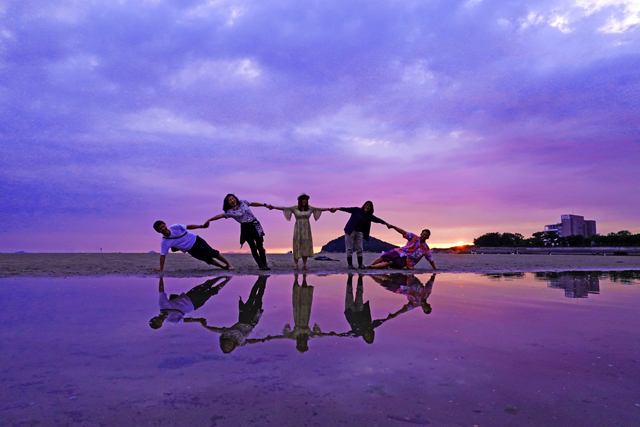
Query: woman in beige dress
(302, 240)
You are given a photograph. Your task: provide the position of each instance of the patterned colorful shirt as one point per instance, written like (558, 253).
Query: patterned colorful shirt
(242, 213)
(414, 250)
(415, 292)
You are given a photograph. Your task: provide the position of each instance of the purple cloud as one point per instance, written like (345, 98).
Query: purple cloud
(477, 115)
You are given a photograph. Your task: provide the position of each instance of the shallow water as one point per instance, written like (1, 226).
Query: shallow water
(501, 350)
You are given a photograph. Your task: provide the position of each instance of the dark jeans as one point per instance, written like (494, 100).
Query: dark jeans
(201, 293)
(249, 310)
(249, 234)
(202, 251)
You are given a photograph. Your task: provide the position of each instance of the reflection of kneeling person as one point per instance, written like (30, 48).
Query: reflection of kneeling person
(177, 238)
(409, 255)
(174, 308)
(409, 286)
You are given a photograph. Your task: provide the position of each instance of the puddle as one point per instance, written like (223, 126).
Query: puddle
(551, 349)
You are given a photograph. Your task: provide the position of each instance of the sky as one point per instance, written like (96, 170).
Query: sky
(464, 117)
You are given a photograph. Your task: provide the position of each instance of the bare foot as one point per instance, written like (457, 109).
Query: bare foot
(305, 267)
(295, 267)
(229, 267)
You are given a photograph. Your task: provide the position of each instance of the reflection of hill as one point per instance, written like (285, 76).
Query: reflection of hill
(373, 245)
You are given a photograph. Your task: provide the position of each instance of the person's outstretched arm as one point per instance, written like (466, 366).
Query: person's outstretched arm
(212, 328)
(215, 218)
(398, 229)
(347, 210)
(404, 309)
(379, 278)
(378, 220)
(162, 258)
(194, 226)
(258, 205)
(280, 208)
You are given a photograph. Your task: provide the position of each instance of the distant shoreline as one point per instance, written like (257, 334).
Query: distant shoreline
(182, 265)
(590, 250)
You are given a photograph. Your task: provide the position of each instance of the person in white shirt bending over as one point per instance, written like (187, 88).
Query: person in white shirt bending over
(177, 238)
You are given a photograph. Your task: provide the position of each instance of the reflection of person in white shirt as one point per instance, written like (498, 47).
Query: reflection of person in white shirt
(177, 238)
(174, 308)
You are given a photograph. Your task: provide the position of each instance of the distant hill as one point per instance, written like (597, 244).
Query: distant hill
(373, 245)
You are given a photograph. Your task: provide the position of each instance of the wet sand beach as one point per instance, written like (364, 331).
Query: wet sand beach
(183, 265)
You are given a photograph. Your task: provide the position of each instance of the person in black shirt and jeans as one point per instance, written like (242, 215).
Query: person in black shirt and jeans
(357, 230)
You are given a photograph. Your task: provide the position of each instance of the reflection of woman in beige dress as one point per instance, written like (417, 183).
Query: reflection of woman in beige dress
(302, 299)
(301, 332)
(302, 240)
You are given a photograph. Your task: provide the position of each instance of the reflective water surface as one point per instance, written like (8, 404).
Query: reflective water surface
(542, 349)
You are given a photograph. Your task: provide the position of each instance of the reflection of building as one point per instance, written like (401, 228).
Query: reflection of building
(572, 225)
(575, 286)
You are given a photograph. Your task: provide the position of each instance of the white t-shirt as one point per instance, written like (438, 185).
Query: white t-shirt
(185, 239)
(181, 303)
(241, 213)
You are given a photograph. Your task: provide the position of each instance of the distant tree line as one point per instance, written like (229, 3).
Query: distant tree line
(551, 238)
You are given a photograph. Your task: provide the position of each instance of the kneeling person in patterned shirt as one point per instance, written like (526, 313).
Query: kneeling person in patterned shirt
(407, 256)
(177, 238)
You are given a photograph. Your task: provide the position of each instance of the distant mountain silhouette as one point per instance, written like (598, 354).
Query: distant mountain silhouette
(373, 245)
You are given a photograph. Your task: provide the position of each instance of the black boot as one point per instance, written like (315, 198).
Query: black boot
(257, 259)
(360, 262)
(350, 263)
(263, 258)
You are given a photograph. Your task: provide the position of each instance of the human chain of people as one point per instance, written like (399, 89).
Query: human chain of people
(175, 308)
(177, 237)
